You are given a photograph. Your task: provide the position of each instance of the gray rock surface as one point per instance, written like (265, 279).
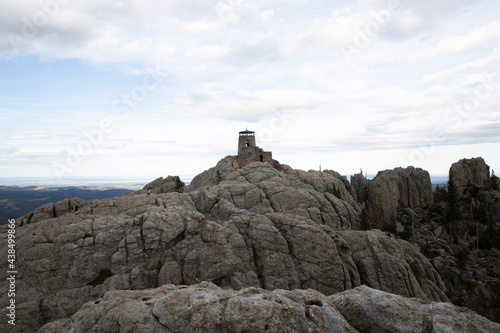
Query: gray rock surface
(261, 188)
(208, 308)
(253, 227)
(160, 185)
(473, 182)
(50, 210)
(205, 308)
(371, 310)
(393, 265)
(470, 173)
(393, 189)
(144, 242)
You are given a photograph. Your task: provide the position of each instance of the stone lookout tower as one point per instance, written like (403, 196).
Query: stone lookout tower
(248, 151)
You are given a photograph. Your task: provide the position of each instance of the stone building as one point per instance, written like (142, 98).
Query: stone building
(249, 152)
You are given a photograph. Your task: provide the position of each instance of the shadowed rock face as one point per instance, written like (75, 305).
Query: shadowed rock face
(474, 185)
(208, 308)
(253, 227)
(469, 173)
(392, 189)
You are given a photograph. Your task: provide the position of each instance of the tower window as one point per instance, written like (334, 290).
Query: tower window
(247, 143)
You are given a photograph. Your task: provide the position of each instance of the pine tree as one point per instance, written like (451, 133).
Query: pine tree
(364, 220)
(179, 184)
(453, 214)
(494, 181)
(440, 194)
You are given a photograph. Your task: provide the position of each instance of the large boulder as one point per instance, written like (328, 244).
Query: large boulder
(371, 310)
(393, 265)
(208, 308)
(161, 185)
(51, 210)
(391, 190)
(470, 174)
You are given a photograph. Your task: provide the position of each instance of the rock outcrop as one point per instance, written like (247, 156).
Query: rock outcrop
(71, 260)
(51, 210)
(393, 265)
(371, 310)
(208, 308)
(262, 188)
(161, 185)
(391, 190)
(470, 175)
(257, 227)
(474, 185)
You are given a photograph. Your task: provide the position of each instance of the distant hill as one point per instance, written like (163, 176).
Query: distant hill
(16, 201)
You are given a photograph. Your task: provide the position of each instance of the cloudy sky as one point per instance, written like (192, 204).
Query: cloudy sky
(143, 89)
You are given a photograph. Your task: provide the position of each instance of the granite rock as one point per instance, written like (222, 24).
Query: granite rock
(391, 190)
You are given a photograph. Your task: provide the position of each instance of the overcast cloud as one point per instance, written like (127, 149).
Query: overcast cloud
(147, 89)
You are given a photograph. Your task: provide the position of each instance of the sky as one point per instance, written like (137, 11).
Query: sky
(146, 89)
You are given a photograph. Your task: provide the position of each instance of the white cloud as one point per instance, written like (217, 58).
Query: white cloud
(472, 41)
(245, 105)
(231, 63)
(489, 62)
(476, 38)
(267, 15)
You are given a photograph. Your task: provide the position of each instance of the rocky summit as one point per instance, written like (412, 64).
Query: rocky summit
(263, 248)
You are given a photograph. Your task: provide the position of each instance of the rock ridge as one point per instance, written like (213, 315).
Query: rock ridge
(260, 226)
(207, 308)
